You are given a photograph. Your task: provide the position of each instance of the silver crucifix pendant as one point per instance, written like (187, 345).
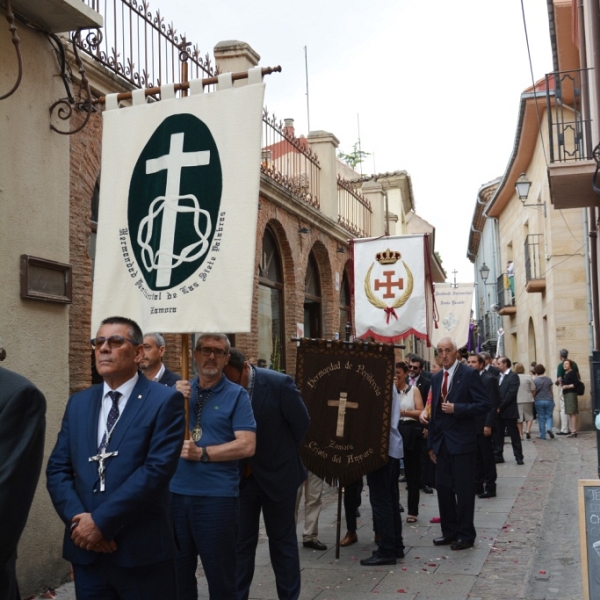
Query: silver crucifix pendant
(100, 458)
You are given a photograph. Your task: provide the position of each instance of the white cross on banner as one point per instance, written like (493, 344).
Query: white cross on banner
(390, 297)
(178, 209)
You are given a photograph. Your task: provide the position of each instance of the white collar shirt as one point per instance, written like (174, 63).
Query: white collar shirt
(396, 449)
(107, 402)
(160, 373)
(451, 372)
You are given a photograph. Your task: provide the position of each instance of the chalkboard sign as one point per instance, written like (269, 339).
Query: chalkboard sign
(589, 529)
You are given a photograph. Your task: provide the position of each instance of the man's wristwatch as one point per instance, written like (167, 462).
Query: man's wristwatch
(204, 457)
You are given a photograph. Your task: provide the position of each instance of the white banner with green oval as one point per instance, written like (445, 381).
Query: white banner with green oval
(179, 189)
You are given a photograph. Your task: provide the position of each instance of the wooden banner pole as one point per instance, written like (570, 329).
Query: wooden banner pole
(185, 337)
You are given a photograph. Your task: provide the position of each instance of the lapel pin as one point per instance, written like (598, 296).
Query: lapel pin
(140, 396)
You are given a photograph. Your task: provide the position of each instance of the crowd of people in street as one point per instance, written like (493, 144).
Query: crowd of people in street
(141, 504)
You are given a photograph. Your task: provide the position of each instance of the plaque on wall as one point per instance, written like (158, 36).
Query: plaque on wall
(46, 280)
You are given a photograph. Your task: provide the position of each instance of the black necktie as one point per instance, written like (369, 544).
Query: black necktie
(113, 415)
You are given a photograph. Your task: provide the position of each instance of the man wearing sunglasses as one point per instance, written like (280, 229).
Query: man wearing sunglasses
(108, 475)
(205, 488)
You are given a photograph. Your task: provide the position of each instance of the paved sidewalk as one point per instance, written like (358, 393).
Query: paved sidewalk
(527, 540)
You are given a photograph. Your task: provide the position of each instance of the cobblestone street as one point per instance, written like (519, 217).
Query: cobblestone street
(527, 544)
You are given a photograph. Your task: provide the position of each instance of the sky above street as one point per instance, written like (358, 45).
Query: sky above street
(435, 85)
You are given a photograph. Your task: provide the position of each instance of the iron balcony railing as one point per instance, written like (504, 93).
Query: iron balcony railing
(354, 210)
(505, 290)
(534, 265)
(289, 161)
(569, 132)
(139, 46)
(488, 327)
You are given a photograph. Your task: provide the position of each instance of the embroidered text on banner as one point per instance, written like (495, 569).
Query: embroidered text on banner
(347, 389)
(178, 211)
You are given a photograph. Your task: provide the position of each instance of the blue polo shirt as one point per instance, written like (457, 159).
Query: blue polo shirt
(226, 411)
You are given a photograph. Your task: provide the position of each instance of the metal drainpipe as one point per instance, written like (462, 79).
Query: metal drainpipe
(588, 284)
(591, 211)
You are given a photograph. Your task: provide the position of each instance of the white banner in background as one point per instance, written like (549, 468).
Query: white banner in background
(178, 209)
(454, 306)
(389, 283)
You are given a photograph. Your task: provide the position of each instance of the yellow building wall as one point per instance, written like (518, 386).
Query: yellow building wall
(558, 317)
(34, 220)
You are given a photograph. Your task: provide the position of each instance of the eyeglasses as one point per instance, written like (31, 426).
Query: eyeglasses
(413, 367)
(206, 351)
(114, 341)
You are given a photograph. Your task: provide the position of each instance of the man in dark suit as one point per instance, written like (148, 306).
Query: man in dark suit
(508, 413)
(270, 478)
(489, 367)
(108, 475)
(485, 472)
(22, 429)
(152, 361)
(458, 398)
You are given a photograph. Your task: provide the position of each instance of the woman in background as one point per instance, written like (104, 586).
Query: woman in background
(544, 401)
(569, 386)
(525, 397)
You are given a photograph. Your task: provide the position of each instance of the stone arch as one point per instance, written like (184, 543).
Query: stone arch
(531, 345)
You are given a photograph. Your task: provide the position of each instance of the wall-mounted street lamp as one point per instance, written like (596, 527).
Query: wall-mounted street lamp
(523, 185)
(484, 271)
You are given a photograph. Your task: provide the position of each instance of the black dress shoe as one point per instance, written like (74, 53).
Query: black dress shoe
(479, 491)
(520, 461)
(443, 541)
(315, 545)
(426, 489)
(377, 560)
(561, 433)
(498, 460)
(487, 494)
(461, 545)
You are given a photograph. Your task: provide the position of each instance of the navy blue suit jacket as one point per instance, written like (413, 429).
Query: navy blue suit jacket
(134, 510)
(169, 378)
(281, 423)
(459, 429)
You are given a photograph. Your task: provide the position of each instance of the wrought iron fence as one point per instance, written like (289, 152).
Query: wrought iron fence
(289, 161)
(490, 327)
(569, 133)
(354, 210)
(505, 290)
(534, 266)
(139, 46)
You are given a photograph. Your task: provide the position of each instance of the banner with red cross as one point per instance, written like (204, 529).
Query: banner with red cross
(391, 287)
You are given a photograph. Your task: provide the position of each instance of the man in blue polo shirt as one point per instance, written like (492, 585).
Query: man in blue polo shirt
(205, 487)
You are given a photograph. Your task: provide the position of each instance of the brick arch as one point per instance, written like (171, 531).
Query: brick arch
(85, 159)
(248, 343)
(329, 295)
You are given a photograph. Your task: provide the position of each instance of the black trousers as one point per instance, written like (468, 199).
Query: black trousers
(352, 499)
(515, 438)
(485, 465)
(455, 483)
(412, 470)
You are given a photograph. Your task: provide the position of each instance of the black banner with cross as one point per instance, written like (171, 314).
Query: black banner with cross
(347, 388)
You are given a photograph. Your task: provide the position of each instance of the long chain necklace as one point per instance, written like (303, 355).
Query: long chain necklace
(197, 431)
